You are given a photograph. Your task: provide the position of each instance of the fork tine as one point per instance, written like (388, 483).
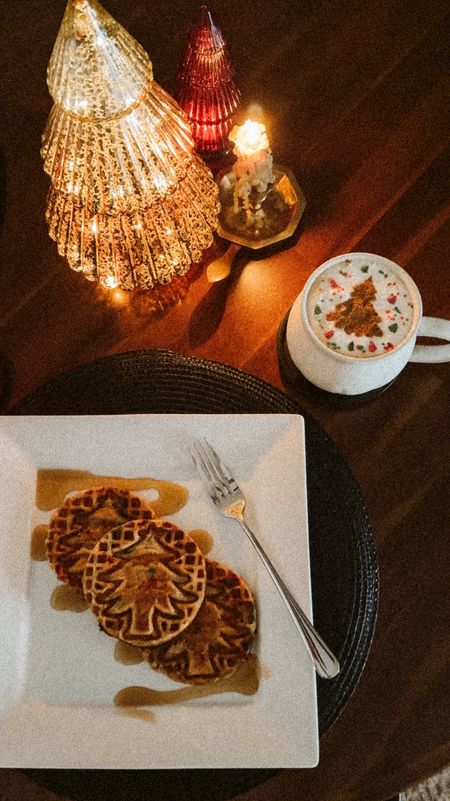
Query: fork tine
(222, 468)
(208, 470)
(201, 469)
(215, 466)
(216, 460)
(213, 469)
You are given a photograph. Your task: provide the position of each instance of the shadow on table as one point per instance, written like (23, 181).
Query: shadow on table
(160, 785)
(3, 187)
(207, 316)
(6, 375)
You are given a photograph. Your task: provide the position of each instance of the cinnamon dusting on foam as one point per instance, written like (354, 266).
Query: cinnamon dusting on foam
(360, 307)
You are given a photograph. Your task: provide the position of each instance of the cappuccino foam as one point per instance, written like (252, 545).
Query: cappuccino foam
(360, 307)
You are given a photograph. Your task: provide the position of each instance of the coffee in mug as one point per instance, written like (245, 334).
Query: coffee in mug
(353, 327)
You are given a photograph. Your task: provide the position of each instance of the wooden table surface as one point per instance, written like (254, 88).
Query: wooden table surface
(356, 99)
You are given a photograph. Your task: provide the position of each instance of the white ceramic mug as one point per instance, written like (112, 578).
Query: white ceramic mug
(337, 370)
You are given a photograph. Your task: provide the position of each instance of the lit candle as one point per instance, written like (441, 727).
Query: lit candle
(253, 168)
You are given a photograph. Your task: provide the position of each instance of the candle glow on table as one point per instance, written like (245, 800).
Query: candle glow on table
(253, 169)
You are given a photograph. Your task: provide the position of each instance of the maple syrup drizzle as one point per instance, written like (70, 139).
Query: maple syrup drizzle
(137, 712)
(53, 485)
(203, 539)
(244, 681)
(38, 548)
(128, 654)
(66, 598)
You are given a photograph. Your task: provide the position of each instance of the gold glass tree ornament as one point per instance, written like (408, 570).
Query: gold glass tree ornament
(130, 203)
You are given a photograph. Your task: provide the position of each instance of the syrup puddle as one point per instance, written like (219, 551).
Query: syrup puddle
(244, 681)
(203, 539)
(66, 598)
(53, 485)
(38, 548)
(141, 714)
(127, 654)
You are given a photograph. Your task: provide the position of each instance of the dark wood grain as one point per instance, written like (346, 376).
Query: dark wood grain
(356, 102)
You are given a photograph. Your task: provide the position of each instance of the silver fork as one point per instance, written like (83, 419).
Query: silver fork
(226, 495)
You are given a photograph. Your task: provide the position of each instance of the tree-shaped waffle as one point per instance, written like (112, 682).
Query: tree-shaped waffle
(357, 315)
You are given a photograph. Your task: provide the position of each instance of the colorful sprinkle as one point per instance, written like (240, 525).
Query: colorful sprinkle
(332, 298)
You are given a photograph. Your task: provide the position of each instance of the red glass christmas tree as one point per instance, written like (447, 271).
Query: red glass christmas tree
(207, 92)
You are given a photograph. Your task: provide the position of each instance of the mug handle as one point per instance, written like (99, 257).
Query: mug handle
(432, 327)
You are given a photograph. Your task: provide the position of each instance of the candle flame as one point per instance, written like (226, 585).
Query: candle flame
(249, 138)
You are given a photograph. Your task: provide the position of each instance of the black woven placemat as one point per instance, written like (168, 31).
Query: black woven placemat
(343, 558)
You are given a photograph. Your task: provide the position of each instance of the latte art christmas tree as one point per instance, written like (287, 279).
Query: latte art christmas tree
(359, 308)
(357, 315)
(131, 204)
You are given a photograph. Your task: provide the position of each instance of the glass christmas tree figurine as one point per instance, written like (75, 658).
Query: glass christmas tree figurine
(130, 203)
(207, 92)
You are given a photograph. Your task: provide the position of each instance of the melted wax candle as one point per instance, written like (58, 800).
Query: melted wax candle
(253, 168)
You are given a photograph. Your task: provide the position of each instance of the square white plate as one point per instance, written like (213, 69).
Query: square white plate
(58, 675)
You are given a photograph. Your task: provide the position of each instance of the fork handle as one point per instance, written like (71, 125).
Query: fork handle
(325, 662)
